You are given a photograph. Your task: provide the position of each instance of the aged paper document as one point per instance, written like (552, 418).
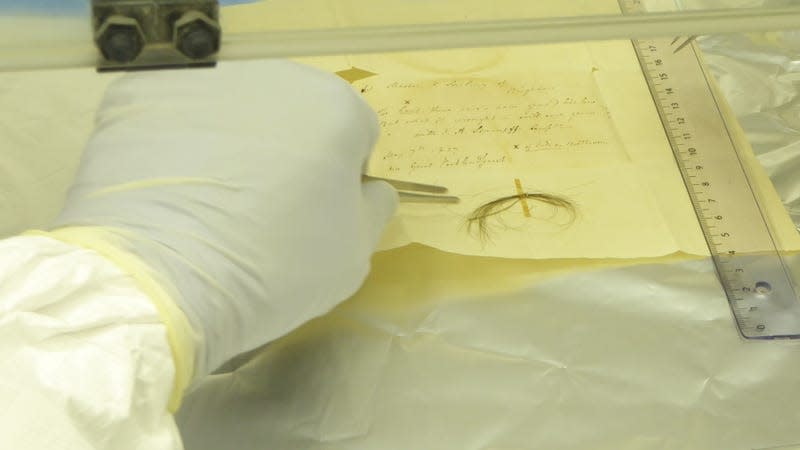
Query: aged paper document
(570, 120)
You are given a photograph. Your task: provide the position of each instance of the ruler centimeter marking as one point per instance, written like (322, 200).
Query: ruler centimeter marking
(761, 288)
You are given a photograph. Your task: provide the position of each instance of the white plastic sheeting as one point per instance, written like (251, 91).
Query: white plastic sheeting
(644, 357)
(760, 77)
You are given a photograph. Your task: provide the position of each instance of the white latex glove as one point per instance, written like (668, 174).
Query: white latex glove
(241, 188)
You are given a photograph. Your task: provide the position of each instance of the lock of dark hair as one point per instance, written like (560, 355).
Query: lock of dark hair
(478, 218)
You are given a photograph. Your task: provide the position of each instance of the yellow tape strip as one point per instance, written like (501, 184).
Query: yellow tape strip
(109, 244)
(354, 74)
(522, 199)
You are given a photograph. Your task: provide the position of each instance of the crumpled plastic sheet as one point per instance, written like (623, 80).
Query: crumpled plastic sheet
(760, 77)
(644, 357)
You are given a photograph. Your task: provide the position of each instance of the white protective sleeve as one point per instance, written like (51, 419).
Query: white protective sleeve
(84, 358)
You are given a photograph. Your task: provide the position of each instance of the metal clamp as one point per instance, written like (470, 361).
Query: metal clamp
(152, 34)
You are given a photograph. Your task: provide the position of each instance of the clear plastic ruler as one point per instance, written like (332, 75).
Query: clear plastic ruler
(761, 287)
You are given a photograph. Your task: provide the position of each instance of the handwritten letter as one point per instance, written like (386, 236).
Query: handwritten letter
(432, 126)
(581, 127)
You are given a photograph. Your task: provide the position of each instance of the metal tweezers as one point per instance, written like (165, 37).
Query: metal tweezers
(411, 192)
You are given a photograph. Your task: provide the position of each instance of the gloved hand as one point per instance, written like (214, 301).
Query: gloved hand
(240, 187)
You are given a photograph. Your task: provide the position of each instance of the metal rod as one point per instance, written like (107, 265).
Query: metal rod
(511, 32)
(41, 47)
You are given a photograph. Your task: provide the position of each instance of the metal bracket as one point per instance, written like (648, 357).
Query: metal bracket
(155, 34)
